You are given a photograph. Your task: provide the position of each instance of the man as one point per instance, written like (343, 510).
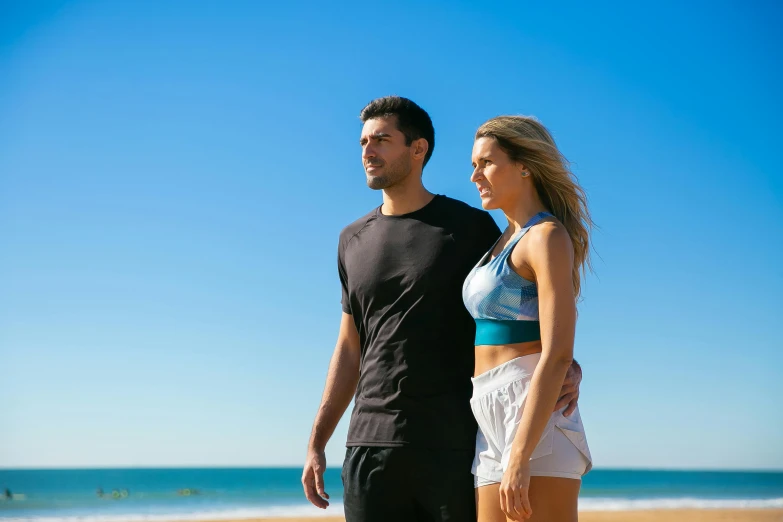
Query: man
(405, 346)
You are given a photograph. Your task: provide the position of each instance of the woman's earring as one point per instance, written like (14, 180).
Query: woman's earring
(525, 173)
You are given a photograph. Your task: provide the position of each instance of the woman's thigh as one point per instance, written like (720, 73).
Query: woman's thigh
(488, 504)
(552, 499)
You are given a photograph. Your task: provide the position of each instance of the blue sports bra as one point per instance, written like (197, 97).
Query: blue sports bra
(503, 303)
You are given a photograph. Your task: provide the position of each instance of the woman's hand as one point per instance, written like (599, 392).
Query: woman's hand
(514, 500)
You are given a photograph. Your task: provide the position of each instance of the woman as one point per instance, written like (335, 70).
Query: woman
(522, 294)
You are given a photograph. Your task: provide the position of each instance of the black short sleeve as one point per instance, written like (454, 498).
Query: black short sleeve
(489, 232)
(343, 282)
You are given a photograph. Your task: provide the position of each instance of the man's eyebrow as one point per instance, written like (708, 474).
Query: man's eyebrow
(374, 135)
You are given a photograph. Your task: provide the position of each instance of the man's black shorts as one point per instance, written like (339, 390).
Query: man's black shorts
(408, 485)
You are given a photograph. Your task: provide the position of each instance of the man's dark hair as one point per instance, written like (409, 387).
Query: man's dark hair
(412, 120)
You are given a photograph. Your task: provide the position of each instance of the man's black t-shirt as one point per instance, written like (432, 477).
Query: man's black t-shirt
(402, 283)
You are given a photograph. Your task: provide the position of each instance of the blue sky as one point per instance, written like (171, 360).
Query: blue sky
(173, 179)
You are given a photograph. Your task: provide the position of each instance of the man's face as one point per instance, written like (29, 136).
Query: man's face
(386, 158)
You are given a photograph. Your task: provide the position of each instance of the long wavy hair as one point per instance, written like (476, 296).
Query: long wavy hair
(525, 140)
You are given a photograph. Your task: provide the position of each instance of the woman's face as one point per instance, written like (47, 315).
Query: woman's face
(498, 179)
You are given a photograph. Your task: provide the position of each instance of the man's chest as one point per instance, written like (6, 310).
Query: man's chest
(390, 261)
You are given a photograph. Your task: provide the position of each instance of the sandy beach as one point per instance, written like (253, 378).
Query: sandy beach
(684, 515)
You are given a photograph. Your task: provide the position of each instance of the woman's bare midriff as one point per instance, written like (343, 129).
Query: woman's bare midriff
(491, 356)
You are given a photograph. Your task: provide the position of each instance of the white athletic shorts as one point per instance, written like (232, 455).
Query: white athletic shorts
(498, 401)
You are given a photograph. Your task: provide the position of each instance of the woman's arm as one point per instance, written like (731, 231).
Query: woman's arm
(549, 254)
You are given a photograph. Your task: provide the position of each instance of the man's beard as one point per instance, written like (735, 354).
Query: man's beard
(393, 173)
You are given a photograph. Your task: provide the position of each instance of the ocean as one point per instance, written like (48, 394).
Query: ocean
(115, 495)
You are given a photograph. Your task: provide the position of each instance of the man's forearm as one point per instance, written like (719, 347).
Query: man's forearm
(341, 382)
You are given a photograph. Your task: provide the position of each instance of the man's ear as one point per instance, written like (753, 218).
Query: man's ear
(420, 148)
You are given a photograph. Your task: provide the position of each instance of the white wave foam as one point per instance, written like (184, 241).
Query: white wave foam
(300, 510)
(623, 504)
(336, 509)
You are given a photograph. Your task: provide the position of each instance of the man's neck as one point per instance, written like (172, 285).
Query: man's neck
(405, 198)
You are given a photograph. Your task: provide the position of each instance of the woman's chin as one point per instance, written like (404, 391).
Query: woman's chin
(488, 203)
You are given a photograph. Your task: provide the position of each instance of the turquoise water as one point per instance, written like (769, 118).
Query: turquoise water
(170, 494)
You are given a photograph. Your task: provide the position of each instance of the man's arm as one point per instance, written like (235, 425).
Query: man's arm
(341, 382)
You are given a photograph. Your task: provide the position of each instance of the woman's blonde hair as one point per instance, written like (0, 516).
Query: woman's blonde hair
(525, 140)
